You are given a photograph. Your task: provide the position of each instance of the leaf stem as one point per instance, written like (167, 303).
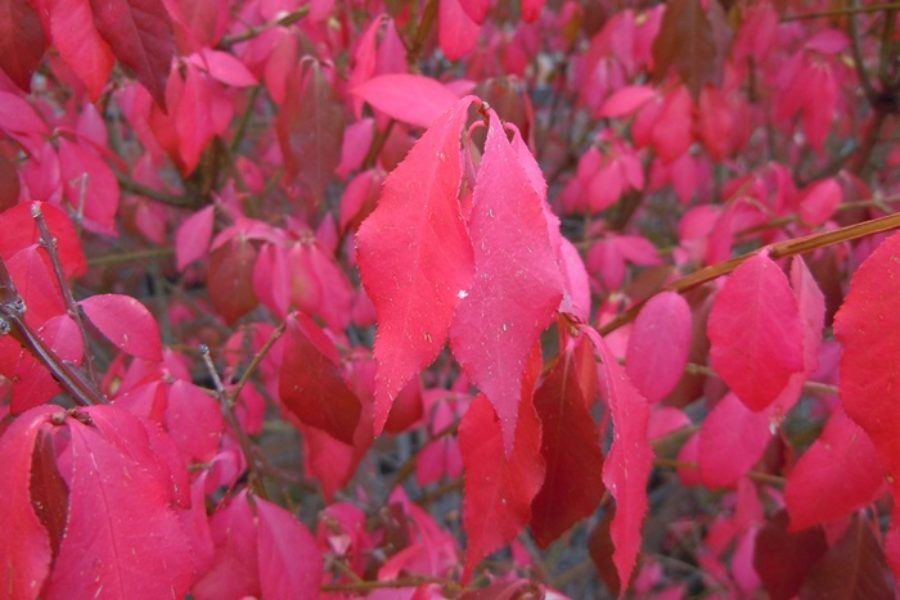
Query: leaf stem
(800, 245)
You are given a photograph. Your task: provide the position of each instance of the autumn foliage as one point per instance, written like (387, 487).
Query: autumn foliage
(449, 299)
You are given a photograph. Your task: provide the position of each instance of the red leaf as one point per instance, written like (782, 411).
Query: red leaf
(658, 345)
(413, 99)
(24, 545)
(21, 230)
(22, 41)
(783, 559)
(200, 112)
(755, 332)
(32, 274)
(140, 34)
(476, 9)
(310, 382)
(290, 564)
(79, 43)
(531, 10)
(570, 445)
(498, 490)
(855, 567)
(864, 326)
(837, 475)
(517, 285)
(629, 462)
(192, 237)
(415, 258)
(131, 544)
(126, 323)
(226, 68)
(732, 440)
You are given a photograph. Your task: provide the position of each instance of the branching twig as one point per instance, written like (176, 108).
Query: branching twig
(289, 19)
(49, 244)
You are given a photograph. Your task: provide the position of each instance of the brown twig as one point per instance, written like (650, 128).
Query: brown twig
(792, 247)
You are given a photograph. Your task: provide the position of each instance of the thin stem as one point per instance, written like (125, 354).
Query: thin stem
(133, 187)
(758, 476)
(49, 244)
(810, 387)
(792, 247)
(231, 418)
(132, 256)
(840, 12)
(856, 48)
(407, 582)
(242, 125)
(289, 19)
(255, 361)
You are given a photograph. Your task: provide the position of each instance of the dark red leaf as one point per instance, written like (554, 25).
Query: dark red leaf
(310, 127)
(783, 559)
(230, 278)
(686, 42)
(9, 184)
(140, 35)
(79, 43)
(310, 381)
(415, 258)
(570, 445)
(854, 567)
(22, 41)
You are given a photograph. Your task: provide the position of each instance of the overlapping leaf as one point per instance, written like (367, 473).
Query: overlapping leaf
(415, 258)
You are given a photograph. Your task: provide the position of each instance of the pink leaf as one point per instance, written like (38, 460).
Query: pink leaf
(838, 474)
(820, 201)
(194, 419)
(755, 332)
(732, 440)
(413, 99)
(290, 563)
(131, 545)
(531, 10)
(457, 33)
(517, 285)
(415, 258)
(626, 101)
(629, 462)
(659, 344)
(20, 230)
(140, 34)
(192, 237)
(226, 68)
(25, 545)
(126, 323)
